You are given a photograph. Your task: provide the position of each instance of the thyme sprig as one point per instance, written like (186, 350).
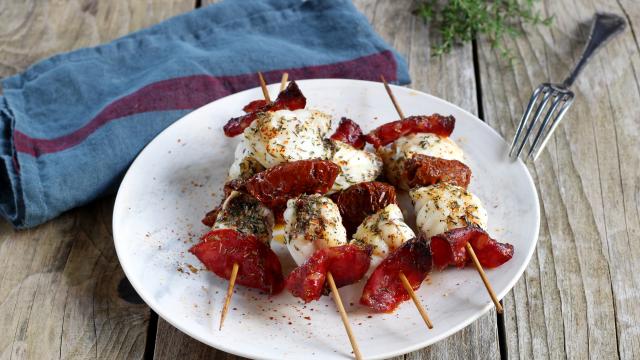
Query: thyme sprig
(460, 21)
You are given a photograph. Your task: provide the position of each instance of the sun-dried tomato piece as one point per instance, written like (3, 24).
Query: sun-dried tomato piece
(290, 98)
(235, 126)
(361, 200)
(307, 281)
(390, 132)
(424, 170)
(255, 105)
(384, 291)
(210, 218)
(274, 186)
(347, 264)
(259, 266)
(449, 248)
(349, 132)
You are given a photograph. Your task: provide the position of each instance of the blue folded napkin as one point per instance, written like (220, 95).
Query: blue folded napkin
(71, 125)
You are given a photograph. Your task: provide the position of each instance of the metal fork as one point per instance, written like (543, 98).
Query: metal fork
(556, 99)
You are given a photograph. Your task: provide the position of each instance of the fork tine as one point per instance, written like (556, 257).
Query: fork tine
(554, 105)
(543, 104)
(525, 116)
(554, 125)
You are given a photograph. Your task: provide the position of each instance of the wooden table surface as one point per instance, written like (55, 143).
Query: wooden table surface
(63, 293)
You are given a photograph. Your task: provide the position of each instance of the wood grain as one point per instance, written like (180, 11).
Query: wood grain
(62, 291)
(579, 296)
(34, 29)
(177, 345)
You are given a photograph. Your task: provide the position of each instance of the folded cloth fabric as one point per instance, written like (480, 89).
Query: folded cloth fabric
(71, 125)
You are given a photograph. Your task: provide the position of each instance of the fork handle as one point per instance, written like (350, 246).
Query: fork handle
(603, 28)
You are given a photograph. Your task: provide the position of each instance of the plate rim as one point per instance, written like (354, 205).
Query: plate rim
(420, 345)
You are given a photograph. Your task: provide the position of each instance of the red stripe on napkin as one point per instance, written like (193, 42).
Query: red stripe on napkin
(191, 92)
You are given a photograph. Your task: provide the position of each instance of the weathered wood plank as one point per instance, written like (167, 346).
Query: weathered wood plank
(177, 345)
(32, 30)
(579, 295)
(59, 291)
(62, 291)
(450, 77)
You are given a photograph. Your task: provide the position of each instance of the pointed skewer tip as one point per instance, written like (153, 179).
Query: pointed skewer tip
(416, 301)
(227, 300)
(484, 278)
(283, 82)
(343, 316)
(263, 85)
(392, 97)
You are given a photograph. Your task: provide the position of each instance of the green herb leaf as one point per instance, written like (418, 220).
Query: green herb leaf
(460, 21)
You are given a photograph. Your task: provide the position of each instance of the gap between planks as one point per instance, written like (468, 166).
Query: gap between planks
(500, 322)
(152, 331)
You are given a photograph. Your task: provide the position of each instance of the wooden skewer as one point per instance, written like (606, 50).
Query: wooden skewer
(263, 85)
(472, 253)
(283, 82)
(403, 278)
(227, 300)
(416, 301)
(486, 282)
(332, 283)
(393, 98)
(236, 267)
(343, 315)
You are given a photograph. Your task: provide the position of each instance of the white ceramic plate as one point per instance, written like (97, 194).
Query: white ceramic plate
(179, 175)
